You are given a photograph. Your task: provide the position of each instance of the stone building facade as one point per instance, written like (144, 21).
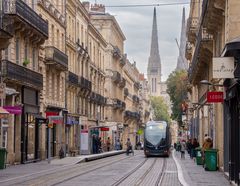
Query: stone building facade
(22, 72)
(66, 74)
(212, 31)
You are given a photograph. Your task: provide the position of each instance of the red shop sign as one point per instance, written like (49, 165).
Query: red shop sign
(104, 129)
(215, 97)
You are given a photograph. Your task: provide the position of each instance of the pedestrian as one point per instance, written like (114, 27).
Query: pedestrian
(195, 144)
(118, 145)
(100, 145)
(189, 146)
(94, 144)
(207, 144)
(108, 144)
(129, 146)
(183, 149)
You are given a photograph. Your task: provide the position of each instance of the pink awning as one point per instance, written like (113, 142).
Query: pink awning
(13, 109)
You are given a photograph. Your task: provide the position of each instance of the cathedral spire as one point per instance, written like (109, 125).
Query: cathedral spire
(182, 62)
(154, 61)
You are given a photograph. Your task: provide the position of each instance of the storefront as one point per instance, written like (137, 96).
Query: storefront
(57, 133)
(232, 115)
(72, 131)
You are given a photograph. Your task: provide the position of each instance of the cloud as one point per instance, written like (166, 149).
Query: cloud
(136, 23)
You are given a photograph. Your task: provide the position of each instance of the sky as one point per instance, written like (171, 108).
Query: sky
(136, 24)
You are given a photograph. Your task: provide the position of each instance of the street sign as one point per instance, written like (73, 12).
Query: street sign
(2, 90)
(215, 97)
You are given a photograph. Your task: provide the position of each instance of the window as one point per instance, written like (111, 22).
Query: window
(25, 51)
(58, 39)
(53, 39)
(33, 4)
(17, 51)
(6, 53)
(34, 58)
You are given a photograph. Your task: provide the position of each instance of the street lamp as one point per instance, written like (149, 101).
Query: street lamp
(206, 82)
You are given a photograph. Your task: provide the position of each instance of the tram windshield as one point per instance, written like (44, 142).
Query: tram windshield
(155, 133)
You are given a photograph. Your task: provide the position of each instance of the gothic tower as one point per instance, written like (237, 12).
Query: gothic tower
(154, 61)
(182, 62)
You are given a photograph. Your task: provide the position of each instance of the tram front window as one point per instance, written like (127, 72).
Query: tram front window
(155, 134)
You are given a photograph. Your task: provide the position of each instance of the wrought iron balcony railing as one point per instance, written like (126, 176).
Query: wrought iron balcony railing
(56, 57)
(72, 78)
(25, 14)
(135, 98)
(116, 77)
(116, 52)
(131, 115)
(123, 60)
(137, 85)
(85, 84)
(126, 92)
(122, 83)
(24, 76)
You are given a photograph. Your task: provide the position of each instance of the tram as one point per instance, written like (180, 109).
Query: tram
(157, 139)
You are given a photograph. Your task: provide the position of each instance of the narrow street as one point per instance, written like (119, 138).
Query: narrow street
(116, 170)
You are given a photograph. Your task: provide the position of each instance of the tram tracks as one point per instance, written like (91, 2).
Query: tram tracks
(148, 173)
(63, 175)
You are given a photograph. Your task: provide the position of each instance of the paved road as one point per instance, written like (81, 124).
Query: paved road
(117, 170)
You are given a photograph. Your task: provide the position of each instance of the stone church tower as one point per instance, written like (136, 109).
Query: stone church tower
(154, 62)
(182, 61)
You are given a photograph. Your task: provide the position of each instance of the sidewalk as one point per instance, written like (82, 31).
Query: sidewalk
(17, 171)
(191, 174)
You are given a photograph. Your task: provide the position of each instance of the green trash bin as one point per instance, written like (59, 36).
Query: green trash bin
(198, 156)
(211, 159)
(3, 158)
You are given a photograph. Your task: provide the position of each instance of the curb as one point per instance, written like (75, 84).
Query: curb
(180, 171)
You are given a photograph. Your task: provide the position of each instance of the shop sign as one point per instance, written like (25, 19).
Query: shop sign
(215, 97)
(223, 67)
(104, 129)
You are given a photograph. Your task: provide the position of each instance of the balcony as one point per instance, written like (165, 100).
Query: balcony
(117, 104)
(126, 92)
(72, 78)
(21, 12)
(123, 60)
(137, 85)
(85, 84)
(21, 75)
(135, 99)
(116, 77)
(4, 39)
(131, 115)
(56, 57)
(116, 52)
(122, 83)
(214, 15)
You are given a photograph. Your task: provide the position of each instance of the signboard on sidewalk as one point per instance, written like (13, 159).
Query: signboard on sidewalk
(215, 97)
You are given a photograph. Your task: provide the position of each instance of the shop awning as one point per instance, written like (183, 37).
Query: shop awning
(232, 48)
(3, 112)
(13, 109)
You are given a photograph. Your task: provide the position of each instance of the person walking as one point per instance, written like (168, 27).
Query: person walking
(108, 144)
(118, 145)
(183, 149)
(129, 146)
(195, 144)
(100, 145)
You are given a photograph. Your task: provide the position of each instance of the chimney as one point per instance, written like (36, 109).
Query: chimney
(86, 5)
(98, 8)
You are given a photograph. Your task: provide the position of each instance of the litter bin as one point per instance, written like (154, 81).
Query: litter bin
(211, 159)
(198, 156)
(3, 158)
